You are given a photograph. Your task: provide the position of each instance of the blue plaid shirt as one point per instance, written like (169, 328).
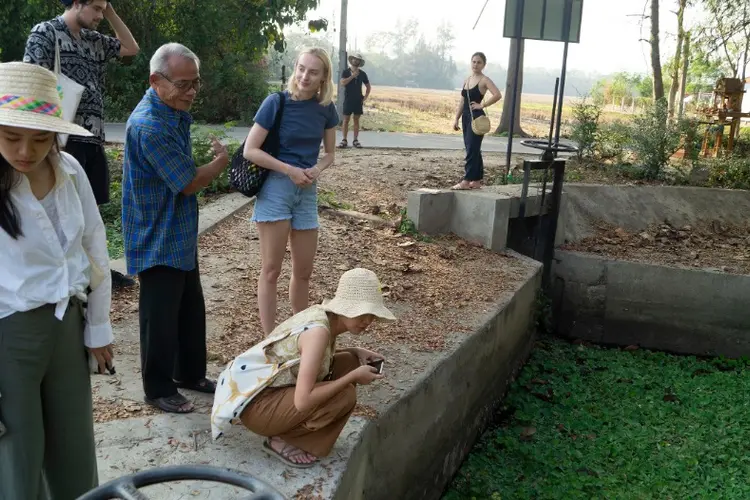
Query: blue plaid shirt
(159, 222)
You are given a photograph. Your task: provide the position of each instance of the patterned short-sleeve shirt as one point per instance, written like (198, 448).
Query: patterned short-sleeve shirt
(84, 60)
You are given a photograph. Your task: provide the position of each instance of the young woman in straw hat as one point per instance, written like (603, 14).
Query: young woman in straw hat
(53, 261)
(295, 388)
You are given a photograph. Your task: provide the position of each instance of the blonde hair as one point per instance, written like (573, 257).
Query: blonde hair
(325, 93)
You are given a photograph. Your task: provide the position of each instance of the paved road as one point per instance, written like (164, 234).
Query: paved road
(116, 133)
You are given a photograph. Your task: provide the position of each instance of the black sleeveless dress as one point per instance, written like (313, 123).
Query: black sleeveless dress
(473, 142)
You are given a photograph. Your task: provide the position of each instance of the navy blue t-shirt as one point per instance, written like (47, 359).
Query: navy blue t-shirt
(302, 127)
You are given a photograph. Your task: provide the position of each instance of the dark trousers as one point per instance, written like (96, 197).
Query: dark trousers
(173, 329)
(93, 159)
(473, 143)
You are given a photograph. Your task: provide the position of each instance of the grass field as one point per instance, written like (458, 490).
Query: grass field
(397, 109)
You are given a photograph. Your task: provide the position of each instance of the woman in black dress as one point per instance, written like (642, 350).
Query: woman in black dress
(476, 86)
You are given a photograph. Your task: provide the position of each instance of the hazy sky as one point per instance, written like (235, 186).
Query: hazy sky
(609, 36)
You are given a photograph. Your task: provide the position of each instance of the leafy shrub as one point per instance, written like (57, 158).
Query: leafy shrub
(655, 139)
(203, 153)
(731, 172)
(611, 140)
(584, 126)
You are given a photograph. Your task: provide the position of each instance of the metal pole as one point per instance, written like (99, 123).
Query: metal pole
(561, 97)
(554, 108)
(514, 98)
(342, 57)
(549, 246)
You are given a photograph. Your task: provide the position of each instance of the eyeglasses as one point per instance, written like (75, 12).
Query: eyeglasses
(183, 85)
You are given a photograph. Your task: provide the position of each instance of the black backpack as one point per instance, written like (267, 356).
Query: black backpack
(244, 175)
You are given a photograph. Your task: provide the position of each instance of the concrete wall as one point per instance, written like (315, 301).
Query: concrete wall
(635, 207)
(679, 310)
(415, 447)
(481, 216)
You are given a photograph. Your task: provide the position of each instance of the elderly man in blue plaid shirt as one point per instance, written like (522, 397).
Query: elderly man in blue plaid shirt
(160, 228)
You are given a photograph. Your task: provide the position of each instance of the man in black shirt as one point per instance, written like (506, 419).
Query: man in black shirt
(84, 53)
(352, 79)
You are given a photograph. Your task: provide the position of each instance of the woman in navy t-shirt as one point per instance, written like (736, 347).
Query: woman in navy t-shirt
(287, 205)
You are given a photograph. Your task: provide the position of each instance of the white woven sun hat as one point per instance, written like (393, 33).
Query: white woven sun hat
(30, 98)
(359, 293)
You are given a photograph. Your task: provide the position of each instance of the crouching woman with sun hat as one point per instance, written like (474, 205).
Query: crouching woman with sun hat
(53, 260)
(294, 387)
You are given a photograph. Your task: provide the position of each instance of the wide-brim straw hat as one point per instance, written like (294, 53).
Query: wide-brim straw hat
(29, 98)
(359, 293)
(357, 55)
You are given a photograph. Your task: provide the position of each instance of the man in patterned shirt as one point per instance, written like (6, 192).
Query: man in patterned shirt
(160, 228)
(84, 53)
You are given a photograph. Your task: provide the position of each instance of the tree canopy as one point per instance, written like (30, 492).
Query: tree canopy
(230, 37)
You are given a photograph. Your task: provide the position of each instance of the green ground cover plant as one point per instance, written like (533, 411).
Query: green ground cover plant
(586, 422)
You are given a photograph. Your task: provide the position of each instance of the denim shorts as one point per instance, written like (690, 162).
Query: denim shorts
(280, 199)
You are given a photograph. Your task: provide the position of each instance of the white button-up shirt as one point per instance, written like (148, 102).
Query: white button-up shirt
(36, 269)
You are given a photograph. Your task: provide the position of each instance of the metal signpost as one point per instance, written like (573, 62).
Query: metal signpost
(556, 21)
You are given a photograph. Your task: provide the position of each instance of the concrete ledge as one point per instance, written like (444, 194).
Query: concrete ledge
(430, 210)
(672, 309)
(419, 442)
(209, 217)
(481, 216)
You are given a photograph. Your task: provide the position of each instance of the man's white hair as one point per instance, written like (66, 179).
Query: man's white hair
(160, 59)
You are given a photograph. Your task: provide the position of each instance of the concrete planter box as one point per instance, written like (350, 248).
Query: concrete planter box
(417, 445)
(672, 309)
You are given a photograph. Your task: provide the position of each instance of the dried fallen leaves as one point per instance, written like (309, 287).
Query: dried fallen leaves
(108, 409)
(436, 288)
(124, 303)
(715, 245)
(365, 411)
(311, 491)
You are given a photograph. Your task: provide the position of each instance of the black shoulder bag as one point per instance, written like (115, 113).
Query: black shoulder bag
(244, 175)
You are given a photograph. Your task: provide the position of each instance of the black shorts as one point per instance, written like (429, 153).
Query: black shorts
(94, 162)
(352, 107)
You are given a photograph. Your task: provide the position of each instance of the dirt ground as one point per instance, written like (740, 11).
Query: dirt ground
(439, 288)
(716, 245)
(378, 180)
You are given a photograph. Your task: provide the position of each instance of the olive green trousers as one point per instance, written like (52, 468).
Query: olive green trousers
(48, 450)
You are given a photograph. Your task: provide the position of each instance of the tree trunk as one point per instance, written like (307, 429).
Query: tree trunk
(655, 57)
(677, 58)
(504, 126)
(683, 78)
(342, 59)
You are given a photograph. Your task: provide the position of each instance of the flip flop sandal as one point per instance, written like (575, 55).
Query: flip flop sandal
(460, 187)
(203, 385)
(343, 144)
(356, 144)
(284, 458)
(170, 404)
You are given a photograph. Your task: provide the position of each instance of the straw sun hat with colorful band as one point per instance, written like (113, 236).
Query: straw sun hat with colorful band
(359, 293)
(30, 98)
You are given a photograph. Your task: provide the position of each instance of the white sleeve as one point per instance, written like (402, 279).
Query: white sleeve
(98, 330)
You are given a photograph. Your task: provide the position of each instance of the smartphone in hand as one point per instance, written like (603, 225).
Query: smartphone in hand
(378, 365)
